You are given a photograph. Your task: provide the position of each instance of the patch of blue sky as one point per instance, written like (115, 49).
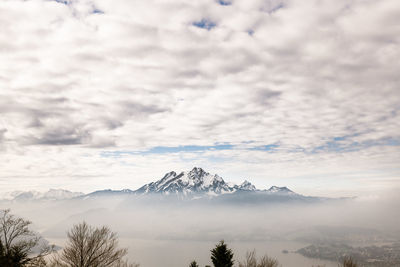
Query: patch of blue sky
(331, 146)
(250, 32)
(115, 154)
(389, 141)
(166, 150)
(97, 11)
(334, 145)
(273, 9)
(297, 149)
(189, 148)
(276, 8)
(393, 142)
(339, 138)
(205, 24)
(337, 146)
(64, 2)
(224, 3)
(344, 137)
(270, 147)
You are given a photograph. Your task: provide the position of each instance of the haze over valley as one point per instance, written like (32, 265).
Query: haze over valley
(195, 209)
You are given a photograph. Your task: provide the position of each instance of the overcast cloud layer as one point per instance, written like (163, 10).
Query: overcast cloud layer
(113, 94)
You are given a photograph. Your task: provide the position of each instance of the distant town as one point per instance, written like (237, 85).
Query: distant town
(382, 256)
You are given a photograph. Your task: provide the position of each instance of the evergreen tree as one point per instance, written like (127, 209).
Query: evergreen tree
(193, 264)
(221, 256)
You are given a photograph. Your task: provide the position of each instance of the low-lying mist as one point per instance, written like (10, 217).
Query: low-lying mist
(174, 232)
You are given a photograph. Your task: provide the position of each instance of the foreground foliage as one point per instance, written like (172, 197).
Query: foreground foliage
(91, 247)
(193, 264)
(88, 246)
(221, 256)
(348, 262)
(20, 246)
(251, 261)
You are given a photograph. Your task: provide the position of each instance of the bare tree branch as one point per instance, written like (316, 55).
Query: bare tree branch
(89, 247)
(17, 242)
(251, 261)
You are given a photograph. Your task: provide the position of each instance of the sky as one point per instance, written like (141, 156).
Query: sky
(99, 94)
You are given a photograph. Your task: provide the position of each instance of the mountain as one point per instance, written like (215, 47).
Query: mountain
(195, 184)
(246, 186)
(198, 182)
(52, 194)
(198, 186)
(280, 190)
(108, 192)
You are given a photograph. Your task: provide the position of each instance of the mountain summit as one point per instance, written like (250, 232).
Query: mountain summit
(51, 194)
(199, 182)
(194, 182)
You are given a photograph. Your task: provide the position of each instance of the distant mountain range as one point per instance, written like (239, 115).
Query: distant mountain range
(52, 194)
(195, 184)
(198, 181)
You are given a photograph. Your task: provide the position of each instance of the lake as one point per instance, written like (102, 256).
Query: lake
(174, 253)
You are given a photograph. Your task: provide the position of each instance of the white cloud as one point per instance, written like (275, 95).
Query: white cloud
(136, 75)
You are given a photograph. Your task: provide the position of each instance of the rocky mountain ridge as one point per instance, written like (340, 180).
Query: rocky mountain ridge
(193, 184)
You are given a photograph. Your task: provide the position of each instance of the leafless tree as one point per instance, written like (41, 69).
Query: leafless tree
(193, 264)
(251, 261)
(17, 242)
(348, 262)
(266, 261)
(125, 263)
(91, 247)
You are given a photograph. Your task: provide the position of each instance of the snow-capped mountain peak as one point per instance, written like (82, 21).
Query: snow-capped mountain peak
(193, 182)
(280, 190)
(198, 181)
(60, 194)
(246, 185)
(51, 194)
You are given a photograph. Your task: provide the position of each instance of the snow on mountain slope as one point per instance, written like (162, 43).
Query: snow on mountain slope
(246, 186)
(199, 182)
(194, 182)
(108, 192)
(280, 190)
(60, 194)
(52, 194)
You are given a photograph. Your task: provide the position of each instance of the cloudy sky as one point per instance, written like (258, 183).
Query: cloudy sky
(101, 94)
